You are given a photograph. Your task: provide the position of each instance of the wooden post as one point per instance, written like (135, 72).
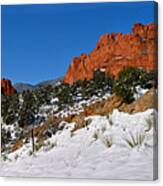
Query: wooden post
(33, 142)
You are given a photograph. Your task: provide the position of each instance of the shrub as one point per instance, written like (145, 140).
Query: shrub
(5, 104)
(38, 146)
(16, 156)
(64, 94)
(101, 79)
(10, 108)
(107, 142)
(10, 118)
(27, 113)
(95, 135)
(30, 153)
(129, 78)
(4, 157)
(124, 90)
(5, 137)
(53, 145)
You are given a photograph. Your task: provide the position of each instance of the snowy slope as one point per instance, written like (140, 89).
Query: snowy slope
(99, 150)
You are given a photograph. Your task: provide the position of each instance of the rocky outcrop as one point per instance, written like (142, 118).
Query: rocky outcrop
(7, 88)
(147, 101)
(106, 107)
(115, 51)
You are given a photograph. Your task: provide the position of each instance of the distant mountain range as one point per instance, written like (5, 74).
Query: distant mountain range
(20, 87)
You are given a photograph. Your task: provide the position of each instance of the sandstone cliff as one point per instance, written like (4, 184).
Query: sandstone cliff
(7, 88)
(115, 51)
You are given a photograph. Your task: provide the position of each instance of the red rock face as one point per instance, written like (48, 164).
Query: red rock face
(115, 51)
(7, 88)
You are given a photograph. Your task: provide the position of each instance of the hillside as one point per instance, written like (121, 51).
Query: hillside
(91, 152)
(83, 130)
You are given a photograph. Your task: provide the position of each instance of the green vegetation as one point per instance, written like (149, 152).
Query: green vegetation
(95, 136)
(129, 79)
(10, 108)
(134, 140)
(24, 107)
(24, 110)
(5, 137)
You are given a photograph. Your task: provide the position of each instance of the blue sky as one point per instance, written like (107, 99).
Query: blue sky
(39, 41)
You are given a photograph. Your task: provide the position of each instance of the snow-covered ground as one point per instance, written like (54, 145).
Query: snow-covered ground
(46, 110)
(117, 146)
(76, 108)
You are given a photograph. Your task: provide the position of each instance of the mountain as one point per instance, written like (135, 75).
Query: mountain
(115, 51)
(7, 87)
(20, 87)
(49, 82)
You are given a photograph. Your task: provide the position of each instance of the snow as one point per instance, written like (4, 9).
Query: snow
(99, 150)
(54, 100)
(13, 129)
(78, 107)
(139, 92)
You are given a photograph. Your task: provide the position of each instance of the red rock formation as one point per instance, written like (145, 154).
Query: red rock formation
(115, 51)
(7, 88)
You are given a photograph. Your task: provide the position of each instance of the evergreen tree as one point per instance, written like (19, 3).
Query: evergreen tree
(129, 78)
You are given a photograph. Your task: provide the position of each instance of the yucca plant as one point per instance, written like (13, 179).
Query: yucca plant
(151, 121)
(134, 140)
